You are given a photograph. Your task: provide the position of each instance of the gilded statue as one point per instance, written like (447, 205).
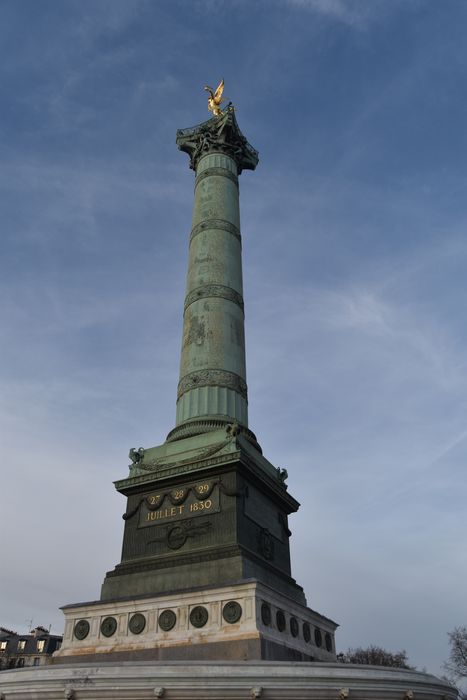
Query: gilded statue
(215, 98)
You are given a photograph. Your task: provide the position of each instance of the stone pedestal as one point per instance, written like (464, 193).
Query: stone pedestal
(204, 511)
(244, 621)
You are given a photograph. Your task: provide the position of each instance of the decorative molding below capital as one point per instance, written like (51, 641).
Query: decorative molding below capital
(216, 172)
(212, 377)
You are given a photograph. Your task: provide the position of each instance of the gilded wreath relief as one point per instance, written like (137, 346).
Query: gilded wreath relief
(215, 98)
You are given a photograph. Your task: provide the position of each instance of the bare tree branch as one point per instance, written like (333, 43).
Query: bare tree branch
(456, 665)
(375, 656)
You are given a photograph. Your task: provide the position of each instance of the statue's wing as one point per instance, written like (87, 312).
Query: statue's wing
(219, 91)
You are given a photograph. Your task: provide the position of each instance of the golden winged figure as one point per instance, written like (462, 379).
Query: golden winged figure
(215, 98)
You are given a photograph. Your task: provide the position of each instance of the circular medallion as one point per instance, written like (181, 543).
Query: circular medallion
(266, 614)
(176, 537)
(232, 612)
(318, 637)
(199, 616)
(306, 632)
(167, 620)
(81, 629)
(328, 641)
(137, 623)
(280, 620)
(293, 627)
(108, 626)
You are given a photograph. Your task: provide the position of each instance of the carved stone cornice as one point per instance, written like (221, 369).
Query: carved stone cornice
(212, 377)
(220, 134)
(214, 290)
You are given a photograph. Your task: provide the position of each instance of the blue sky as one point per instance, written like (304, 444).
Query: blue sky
(354, 271)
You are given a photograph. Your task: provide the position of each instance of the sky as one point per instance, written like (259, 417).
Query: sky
(355, 251)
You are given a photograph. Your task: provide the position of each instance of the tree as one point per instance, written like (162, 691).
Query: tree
(457, 663)
(375, 656)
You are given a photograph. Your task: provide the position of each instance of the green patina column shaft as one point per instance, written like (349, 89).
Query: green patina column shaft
(212, 390)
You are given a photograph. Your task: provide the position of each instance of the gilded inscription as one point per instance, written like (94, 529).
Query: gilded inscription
(180, 503)
(165, 513)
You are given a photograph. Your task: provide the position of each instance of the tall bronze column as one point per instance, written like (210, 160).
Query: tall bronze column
(212, 390)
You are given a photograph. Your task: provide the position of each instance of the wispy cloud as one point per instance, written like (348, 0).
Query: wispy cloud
(354, 13)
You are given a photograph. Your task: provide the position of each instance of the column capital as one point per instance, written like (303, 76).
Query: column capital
(219, 134)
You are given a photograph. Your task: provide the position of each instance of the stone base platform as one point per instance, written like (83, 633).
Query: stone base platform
(221, 681)
(246, 620)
